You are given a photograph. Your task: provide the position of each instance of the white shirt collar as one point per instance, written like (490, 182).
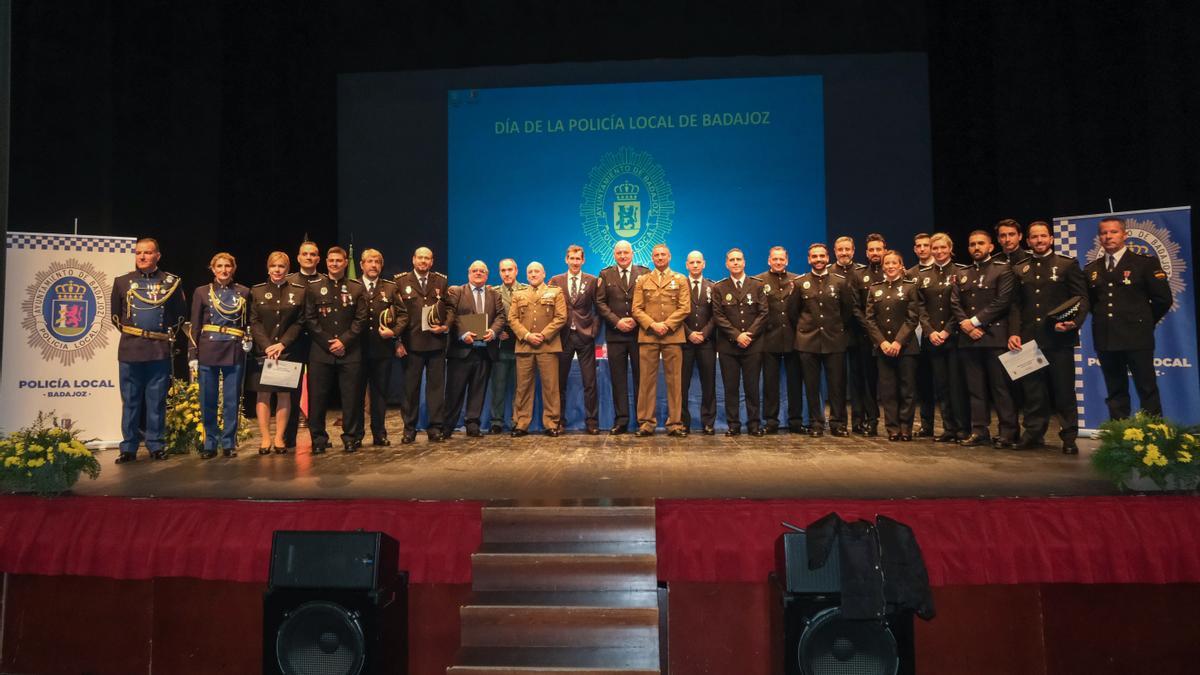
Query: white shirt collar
(1117, 255)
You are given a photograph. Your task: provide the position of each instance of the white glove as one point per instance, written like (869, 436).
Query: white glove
(194, 364)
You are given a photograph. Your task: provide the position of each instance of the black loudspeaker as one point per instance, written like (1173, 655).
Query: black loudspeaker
(336, 604)
(818, 640)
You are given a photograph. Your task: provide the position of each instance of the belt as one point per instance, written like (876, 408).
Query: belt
(148, 334)
(228, 330)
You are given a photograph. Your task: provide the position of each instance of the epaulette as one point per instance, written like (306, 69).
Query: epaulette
(924, 268)
(262, 284)
(839, 276)
(353, 281)
(909, 280)
(292, 283)
(438, 274)
(878, 283)
(610, 267)
(386, 281)
(757, 277)
(640, 268)
(997, 262)
(961, 266)
(1064, 257)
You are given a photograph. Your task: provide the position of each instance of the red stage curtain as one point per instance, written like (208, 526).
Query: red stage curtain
(1093, 540)
(220, 539)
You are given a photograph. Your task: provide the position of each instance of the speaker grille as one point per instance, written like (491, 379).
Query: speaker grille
(321, 638)
(832, 645)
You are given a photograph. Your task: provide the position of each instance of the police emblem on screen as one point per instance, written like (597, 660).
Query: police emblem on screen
(1146, 238)
(61, 309)
(627, 196)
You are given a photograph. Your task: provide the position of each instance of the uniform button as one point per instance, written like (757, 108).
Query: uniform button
(1110, 316)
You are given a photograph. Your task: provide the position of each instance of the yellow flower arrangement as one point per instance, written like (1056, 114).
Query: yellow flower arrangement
(44, 458)
(185, 424)
(1147, 447)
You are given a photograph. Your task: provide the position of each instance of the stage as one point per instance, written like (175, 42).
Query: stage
(577, 466)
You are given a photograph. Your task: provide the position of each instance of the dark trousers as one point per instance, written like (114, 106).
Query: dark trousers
(433, 366)
(705, 358)
(377, 376)
(144, 386)
(864, 380)
(949, 390)
(1140, 364)
(585, 347)
(925, 393)
(466, 382)
(897, 391)
(743, 369)
(834, 366)
(771, 362)
(346, 375)
(986, 377)
(623, 357)
(1051, 388)
(504, 376)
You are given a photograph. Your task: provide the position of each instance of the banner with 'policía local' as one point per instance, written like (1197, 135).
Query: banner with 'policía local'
(60, 346)
(1165, 234)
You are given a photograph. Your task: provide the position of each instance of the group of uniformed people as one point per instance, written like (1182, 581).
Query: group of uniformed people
(904, 340)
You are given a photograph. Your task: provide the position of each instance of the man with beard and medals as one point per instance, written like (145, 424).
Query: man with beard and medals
(779, 284)
(422, 345)
(982, 302)
(740, 314)
(1047, 281)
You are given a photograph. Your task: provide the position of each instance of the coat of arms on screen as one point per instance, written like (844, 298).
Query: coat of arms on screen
(627, 196)
(1147, 238)
(65, 309)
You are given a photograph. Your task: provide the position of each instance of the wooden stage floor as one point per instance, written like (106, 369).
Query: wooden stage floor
(576, 466)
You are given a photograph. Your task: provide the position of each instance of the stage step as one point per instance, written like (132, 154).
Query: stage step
(563, 590)
(568, 524)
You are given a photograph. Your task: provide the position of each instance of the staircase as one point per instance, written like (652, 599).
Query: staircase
(563, 590)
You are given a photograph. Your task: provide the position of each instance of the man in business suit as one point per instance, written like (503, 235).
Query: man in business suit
(504, 369)
(579, 337)
(386, 318)
(1045, 281)
(614, 301)
(423, 349)
(537, 315)
(780, 285)
(699, 351)
(982, 302)
(740, 314)
(660, 304)
(1129, 294)
(470, 355)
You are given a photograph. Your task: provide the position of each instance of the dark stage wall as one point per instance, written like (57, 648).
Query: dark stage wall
(212, 125)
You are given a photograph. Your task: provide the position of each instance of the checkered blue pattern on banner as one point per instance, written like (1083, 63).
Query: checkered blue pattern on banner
(69, 242)
(1066, 241)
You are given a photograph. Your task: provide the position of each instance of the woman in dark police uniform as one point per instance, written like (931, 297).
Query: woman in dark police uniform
(276, 306)
(218, 352)
(892, 324)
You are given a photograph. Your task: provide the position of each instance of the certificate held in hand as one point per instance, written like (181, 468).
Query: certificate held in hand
(280, 373)
(1024, 361)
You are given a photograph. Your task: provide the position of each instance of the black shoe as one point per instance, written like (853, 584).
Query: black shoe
(349, 447)
(906, 438)
(436, 436)
(1069, 448)
(553, 433)
(618, 430)
(1001, 444)
(517, 433)
(381, 442)
(644, 433)
(840, 433)
(974, 440)
(758, 433)
(771, 430)
(126, 457)
(893, 437)
(860, 429)
(797, 429)
(408, 438)
(281, 451)
(229, 452)
(318, 450)
(593, 431)
(816, 432)
(733, 431)
(871, 430)
(496, 429)
(1028, 444)
(678, 433)
(925, 432)
(709, 430)
(267, 450)
(158, 454)
(474, 433)
(947, 437)
(208, 454)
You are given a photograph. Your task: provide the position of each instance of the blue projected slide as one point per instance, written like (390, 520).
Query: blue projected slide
(702, 164)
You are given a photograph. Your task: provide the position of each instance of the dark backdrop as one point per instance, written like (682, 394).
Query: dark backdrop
(212, 125)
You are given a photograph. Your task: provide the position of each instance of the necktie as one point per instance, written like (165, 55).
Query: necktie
(1111, 263)
(625, 278)
(737, 284)
(370, 289)
(421, 281)
(479, 300)
(574, 287)
(696, 290)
